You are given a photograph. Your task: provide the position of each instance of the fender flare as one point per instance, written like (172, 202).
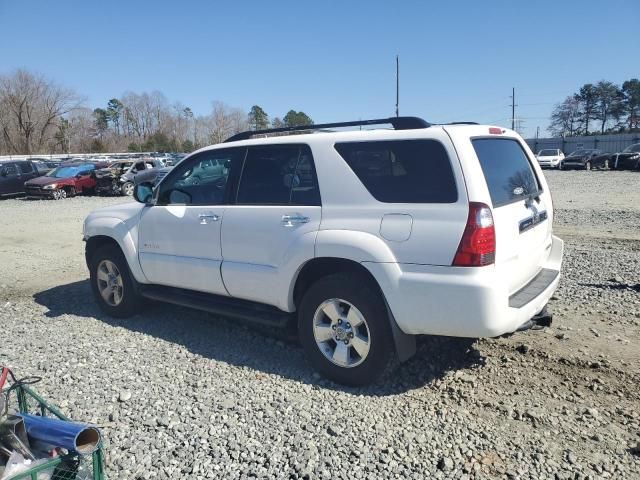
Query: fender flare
(118, 231)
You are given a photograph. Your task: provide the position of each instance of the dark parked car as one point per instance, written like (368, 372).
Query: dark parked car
(584, 159)
(14, 173)
(67, 180)
(152, 175)
(628, 159)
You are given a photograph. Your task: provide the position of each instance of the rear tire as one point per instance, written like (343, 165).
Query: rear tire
(352, 344)
(587, 166)
(112, 284)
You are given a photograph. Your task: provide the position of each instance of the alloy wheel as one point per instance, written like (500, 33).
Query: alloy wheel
(110, 283)
(341, 333)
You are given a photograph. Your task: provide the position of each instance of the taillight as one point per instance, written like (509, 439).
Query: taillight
(478, 244)
(495, 131)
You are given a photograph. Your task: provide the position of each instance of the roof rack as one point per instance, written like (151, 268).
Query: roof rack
(398, 123)
(462, 123)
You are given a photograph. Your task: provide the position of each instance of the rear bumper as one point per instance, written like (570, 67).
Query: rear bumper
(464, 302)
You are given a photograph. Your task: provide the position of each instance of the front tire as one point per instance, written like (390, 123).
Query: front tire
(587, 166)
(127, 188)
(344, 329)
(112, 284)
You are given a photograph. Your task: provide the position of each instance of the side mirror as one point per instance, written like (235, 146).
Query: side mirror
(143, 192)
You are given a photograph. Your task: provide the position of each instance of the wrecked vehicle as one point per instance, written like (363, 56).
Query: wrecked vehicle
(117, 178)
(65, 181)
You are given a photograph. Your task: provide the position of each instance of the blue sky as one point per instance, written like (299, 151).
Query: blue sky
(333, 60)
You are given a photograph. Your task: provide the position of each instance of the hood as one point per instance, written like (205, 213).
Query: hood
(117, 219)
(44, 180)
(124, 211)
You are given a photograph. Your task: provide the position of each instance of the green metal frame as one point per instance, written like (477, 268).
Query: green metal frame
(23, 393)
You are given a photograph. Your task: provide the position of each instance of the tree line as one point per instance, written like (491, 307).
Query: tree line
(598, 109)
(39, 116)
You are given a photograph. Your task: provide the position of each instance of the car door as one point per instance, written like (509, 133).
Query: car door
(84, 180)
(179, 236)
(11, 179)
(271, 227)
(27, 171)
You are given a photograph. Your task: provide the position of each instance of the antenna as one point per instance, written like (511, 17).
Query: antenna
(397, 86)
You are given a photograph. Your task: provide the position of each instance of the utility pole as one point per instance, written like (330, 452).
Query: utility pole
(537, 132)
(397, 86)
(513, 108)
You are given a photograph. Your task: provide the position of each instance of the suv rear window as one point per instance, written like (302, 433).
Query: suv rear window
(506, 169)
(402, 171)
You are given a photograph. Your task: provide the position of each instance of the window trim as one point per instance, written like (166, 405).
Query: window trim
(524, 152)
(444, 148)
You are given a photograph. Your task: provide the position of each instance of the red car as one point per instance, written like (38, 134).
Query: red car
(62, 182)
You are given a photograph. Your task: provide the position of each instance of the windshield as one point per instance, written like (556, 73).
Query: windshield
(632, 148)
(72, 171)
(548, 153)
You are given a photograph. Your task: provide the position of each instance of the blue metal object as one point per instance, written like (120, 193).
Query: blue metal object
(74, 437)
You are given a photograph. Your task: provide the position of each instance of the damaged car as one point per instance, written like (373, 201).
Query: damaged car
(65, 181)
(628, 159)
(117, 178)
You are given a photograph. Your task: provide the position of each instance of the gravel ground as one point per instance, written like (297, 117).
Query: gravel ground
(180, 394)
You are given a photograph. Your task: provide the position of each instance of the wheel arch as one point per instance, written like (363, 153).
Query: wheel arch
(106, 230)
(320, 267)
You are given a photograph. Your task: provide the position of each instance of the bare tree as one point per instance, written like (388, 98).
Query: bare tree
(565, 117)
(226, 121)
(32, 109)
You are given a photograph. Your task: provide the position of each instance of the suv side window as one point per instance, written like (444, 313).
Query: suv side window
(25, 167)
(279, 175)
(11, 169)
(187, 183)
(402, 171)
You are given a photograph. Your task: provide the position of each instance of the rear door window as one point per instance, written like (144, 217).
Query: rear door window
(25, 167)
(506, 169)
(402, 171)
(279, 175)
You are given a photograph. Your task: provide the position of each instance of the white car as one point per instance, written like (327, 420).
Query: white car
(360, 240)
(550, 158)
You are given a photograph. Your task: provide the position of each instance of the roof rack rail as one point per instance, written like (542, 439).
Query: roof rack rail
(462, 123)
(398, 123)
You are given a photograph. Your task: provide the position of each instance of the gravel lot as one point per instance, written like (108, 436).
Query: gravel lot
(180, 394)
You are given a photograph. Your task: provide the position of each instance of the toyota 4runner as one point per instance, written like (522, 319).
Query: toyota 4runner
(359, 239)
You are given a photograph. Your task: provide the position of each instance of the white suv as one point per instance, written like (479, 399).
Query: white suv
(359, 239)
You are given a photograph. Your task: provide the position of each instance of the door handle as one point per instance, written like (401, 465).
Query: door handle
(294, 219)
(205, 218)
